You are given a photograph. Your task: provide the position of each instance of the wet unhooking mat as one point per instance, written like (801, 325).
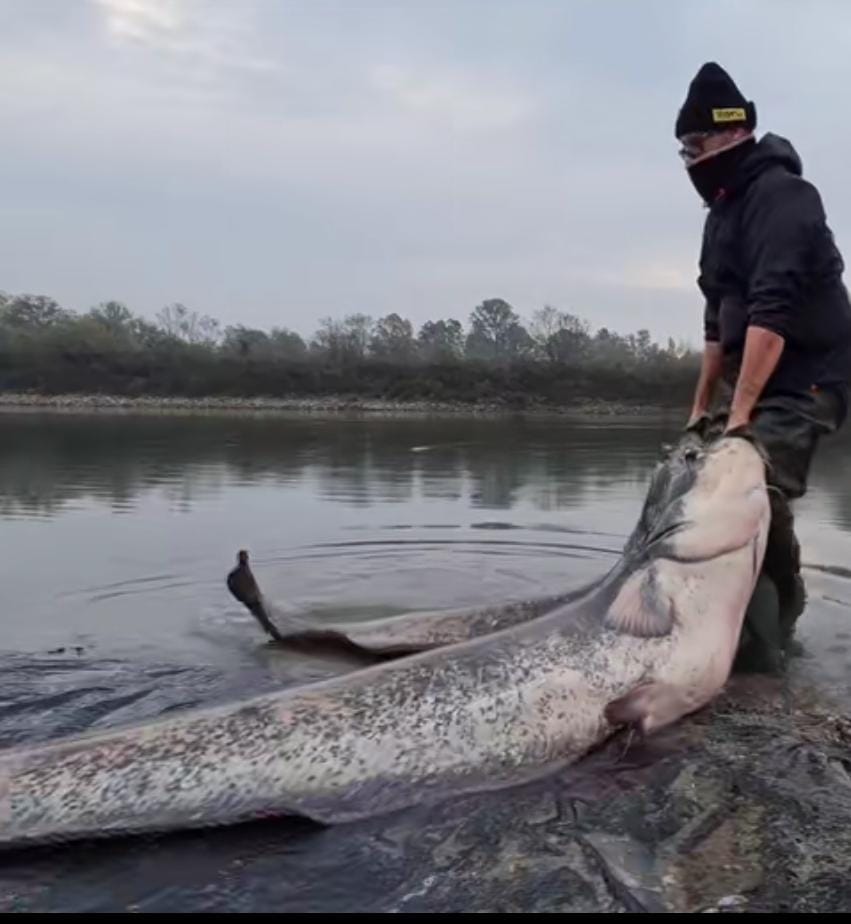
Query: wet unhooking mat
(744, 808)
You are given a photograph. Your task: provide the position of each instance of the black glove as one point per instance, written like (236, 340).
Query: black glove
(742, 432)
(700, 426)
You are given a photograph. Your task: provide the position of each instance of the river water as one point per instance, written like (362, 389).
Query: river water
(117, 532)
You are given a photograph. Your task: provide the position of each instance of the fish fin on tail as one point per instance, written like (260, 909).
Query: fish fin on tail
(649, 707)
(641, 607)
(259, 611)
(404, 634)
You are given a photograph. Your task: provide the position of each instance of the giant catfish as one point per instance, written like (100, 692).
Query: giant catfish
(653, 641)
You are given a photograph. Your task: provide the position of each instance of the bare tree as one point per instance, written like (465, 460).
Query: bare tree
(182, 323)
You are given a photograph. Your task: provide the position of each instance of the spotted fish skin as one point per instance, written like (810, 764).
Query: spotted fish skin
(653, 642)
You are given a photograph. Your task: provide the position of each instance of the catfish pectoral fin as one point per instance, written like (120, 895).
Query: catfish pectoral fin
(648, 707)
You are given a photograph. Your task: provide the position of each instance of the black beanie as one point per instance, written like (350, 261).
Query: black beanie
(714, 103)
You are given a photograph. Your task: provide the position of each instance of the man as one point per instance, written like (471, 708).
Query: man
(777, 324)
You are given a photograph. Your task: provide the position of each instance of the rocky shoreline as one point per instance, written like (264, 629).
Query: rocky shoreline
(334, 404)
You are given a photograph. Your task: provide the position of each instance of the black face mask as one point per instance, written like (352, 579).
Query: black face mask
(711, 176)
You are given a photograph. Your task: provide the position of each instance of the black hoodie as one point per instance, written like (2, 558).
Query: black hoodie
(769, 259)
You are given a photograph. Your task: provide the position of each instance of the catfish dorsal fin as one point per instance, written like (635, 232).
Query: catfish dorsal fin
(641, 607)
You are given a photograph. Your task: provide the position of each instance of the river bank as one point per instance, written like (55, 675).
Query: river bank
(330, 404)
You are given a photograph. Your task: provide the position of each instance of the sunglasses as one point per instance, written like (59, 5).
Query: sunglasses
(693, 145)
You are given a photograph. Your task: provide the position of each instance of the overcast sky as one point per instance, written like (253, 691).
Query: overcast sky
(270, 162)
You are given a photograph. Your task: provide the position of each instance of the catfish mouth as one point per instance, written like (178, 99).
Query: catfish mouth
(755, 562)
(660, 545)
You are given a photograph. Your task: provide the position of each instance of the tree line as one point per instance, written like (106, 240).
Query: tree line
(554, 356)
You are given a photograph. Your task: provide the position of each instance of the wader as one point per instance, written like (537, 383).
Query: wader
(788, 427)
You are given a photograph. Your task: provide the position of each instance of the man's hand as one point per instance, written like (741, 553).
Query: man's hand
(763, 349)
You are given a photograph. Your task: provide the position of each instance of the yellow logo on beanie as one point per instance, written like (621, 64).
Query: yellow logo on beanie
(729, 115)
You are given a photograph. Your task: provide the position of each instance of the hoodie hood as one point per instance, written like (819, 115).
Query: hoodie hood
(770, 151)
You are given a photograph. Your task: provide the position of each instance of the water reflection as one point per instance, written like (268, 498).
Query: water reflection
(832, 478)
(52, 461)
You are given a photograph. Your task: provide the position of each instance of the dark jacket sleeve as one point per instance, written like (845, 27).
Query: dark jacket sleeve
(779, 225)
